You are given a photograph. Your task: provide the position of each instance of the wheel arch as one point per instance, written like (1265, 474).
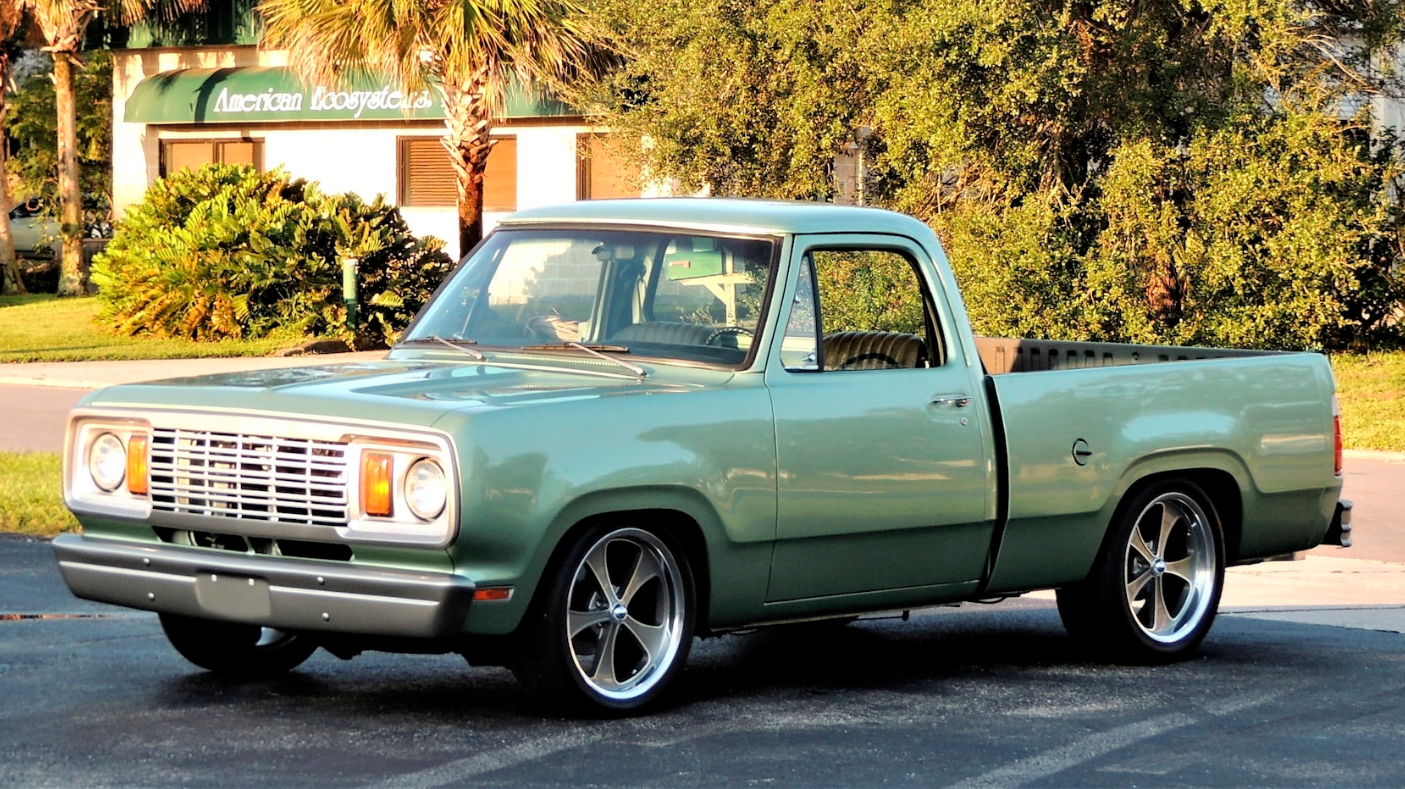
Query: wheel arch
(1222, 476)
(680, 515)
(673, 525)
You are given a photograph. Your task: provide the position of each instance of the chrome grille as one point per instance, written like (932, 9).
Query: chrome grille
(249, 477)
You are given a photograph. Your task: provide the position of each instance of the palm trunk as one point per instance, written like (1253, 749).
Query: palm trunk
(470, 124)
(72, 277)
(10, 281)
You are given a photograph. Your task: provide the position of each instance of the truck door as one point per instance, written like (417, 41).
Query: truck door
(880, 433)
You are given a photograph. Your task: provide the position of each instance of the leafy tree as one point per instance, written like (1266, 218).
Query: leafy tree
(1109, 169)
(468, 51)
(10, 18)
(32, 125)
(63, 25)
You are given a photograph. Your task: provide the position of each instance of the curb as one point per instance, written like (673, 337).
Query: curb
(1375, 455)
(52, 383)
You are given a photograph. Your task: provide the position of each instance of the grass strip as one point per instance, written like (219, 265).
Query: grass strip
(1371, 390)
(46, 328)
(31, 495)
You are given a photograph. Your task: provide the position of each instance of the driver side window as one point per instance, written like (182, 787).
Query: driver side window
(860, 309)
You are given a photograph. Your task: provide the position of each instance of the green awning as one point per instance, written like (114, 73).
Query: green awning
(236, 95)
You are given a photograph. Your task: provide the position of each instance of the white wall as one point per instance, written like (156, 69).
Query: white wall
(342, 157)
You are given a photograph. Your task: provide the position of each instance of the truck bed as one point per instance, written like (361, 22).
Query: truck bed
(1001, 355)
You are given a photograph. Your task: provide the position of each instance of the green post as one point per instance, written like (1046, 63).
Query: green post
(348, 290)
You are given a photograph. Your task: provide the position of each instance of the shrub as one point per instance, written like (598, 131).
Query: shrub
(225, 251)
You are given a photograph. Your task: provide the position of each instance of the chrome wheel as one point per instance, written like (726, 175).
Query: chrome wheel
(1170, 567)
(1152, 593)
(625, 614)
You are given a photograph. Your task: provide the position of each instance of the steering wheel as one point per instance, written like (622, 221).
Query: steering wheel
(726, 330)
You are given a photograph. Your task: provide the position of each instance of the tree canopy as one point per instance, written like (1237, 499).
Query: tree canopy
(1147, 170)
(470, 52)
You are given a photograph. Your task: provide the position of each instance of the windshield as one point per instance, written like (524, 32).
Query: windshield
(665, 295)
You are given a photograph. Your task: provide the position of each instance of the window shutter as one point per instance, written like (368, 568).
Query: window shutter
(500, 176)
(426, 174)
(602, 172)
(187, 155)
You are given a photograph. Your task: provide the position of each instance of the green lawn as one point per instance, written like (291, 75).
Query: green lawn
(31, 499)
(45, 328)
(1371, 389)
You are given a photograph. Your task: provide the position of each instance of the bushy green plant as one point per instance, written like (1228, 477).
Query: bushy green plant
(226, 251)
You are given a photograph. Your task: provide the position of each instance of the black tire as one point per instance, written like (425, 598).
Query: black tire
(1156, 584)
(236, 650)
(589, 650)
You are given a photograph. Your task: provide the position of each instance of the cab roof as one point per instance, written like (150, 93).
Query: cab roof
(727, 215)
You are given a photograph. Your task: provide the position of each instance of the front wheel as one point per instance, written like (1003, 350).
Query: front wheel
(1156, 584)
(234, 649)
(613, 625)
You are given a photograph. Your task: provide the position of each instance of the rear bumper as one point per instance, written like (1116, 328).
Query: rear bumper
(283, 593)
(1339, 533)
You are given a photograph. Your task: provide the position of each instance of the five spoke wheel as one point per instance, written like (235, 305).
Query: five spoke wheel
(613, 627)
(1170, 567)
(1155, 587)
(624, 615)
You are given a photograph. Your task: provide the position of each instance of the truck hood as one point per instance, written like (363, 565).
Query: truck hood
(416, 391)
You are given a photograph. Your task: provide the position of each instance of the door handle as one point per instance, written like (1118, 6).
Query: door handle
(958, 399)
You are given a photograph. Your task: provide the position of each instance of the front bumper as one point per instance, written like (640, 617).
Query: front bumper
(283, 593)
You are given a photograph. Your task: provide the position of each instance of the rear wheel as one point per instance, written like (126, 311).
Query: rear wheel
(613, 626)
(236, 649)
(1156, 585)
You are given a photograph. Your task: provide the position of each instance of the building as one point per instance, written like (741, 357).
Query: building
(203, 91)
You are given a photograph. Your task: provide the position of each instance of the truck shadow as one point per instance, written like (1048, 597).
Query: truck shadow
(931, 654)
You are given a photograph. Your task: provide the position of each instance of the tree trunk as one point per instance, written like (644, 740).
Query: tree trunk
(10, 281)
(470, 124)
(73, 279)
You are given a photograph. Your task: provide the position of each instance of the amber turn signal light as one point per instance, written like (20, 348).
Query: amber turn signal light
(376, 469)
(138, 471)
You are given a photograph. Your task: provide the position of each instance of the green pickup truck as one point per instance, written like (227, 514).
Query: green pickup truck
(623, 424)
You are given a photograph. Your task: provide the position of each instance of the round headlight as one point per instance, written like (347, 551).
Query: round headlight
(426, 489)
(107, 461)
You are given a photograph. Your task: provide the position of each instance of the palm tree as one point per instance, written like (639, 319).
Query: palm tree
(10, 17)
(63, 24)
(467, 51)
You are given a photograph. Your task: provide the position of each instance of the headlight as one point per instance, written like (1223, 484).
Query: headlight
(107, 461)
(426, 489)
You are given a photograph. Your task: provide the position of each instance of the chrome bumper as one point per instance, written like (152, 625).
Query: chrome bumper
(283, 593)
(1339, 533)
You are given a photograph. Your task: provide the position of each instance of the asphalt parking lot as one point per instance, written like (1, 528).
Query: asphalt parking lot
(971, 697)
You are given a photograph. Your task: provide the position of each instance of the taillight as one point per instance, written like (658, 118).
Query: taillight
(376, 470)
(138, 472)
(1337, 430)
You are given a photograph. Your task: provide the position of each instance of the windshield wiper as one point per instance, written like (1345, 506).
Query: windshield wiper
(459, 344)
(598, 351)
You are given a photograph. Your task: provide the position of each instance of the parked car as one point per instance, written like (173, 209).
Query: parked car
(623, 424)
(36, 235)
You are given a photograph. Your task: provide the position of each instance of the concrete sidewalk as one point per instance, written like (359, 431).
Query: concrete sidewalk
(95, 375)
